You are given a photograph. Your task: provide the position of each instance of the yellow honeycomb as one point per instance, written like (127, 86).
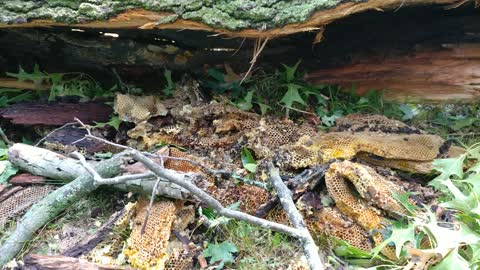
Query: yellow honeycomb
(330, 221)
(268, 136)
(107, 250)
(149, 250)
(372, 188)
(371, 123)
(310, 151)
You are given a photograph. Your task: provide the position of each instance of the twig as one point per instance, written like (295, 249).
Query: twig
(152, 198)
(309, 247)
(5, 138)
(182, 181)
(310, 176)
(87, 166)
(53, 131)
(251, 182)
(257, 50)
(89, 135)
(125, 178)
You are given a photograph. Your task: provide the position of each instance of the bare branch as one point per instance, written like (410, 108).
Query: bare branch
(5, 138)
(182, 181)
(53, 131)
(284, 194)
(87, 166)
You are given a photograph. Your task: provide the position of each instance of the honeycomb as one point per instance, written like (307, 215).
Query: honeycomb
(149, 251)
(136, 109)
(372, 123)
(145, 135)
(345, 145)
(106, 252)
(21, 200)
(179, 259)
(181, 165)
(373, 189)
(250, 197)
(330, 221)
(267, 137)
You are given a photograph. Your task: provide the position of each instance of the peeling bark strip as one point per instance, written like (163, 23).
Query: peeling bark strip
(55, 114)
(251, 17)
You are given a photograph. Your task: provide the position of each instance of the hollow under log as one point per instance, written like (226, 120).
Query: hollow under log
(414, 51)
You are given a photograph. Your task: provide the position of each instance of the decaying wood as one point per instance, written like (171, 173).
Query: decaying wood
(9, 191)
(55, 114)
(43, 162)
(451, 73)
(86, 245)
(54, 203)
(25, 179)
(14, 83)
(70, 135)
(285, 196)
(36, 262)
(239, 19)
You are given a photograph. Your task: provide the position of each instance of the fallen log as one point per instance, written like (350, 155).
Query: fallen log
(450, 73)
(249, 19)
(54, 203)
(35, 261)
(46, 163)
(55, 114)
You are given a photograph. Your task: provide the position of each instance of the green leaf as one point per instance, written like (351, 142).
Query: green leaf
(402, 198)
(409, 111)
(465, 122)
(216, 74)
(246, 103)
(170, 87)
(452, 261)
(7, 170)
(264, 108)
(401, 233)
(449, 167)
(222, 252)
(248, 162)
(104, 155)
(344, 249)
(114, 122)
(329, 121)
(250, 167)
(292, 95)
(277, 239)
(290, 71)
(3, 153)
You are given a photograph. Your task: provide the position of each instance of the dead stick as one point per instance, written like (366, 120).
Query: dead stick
(284, 194)
(52, 205)
(183, 182)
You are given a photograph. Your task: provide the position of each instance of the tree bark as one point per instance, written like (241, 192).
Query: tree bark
(251, 19)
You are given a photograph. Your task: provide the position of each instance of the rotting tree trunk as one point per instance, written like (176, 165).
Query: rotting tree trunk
(235, 18)
(148, 41)
(451, 73)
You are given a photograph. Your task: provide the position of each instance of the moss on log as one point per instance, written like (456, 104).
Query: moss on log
(256, 18)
